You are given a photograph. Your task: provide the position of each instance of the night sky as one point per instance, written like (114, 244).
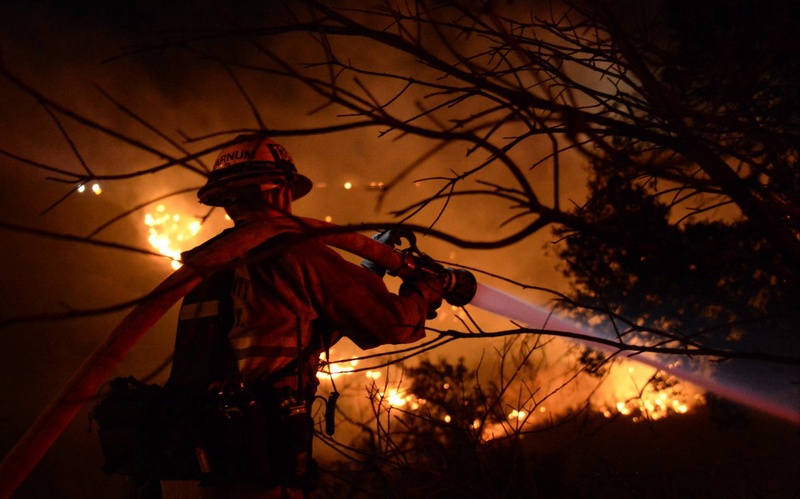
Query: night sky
(68, 51)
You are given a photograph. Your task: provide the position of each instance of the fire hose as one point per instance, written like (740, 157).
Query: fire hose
(459, 288)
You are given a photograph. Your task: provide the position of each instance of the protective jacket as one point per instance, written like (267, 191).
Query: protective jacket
(265, 321)
(291, 298)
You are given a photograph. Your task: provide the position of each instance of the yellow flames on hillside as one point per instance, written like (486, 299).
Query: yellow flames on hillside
(632, 394)
(629, 392)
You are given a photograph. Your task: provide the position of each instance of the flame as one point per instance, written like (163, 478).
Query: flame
(332, 370)
(630, 393)
(629, 399)
(396, 398)
(170, 232)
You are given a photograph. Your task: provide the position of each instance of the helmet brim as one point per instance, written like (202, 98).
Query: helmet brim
(216, 191)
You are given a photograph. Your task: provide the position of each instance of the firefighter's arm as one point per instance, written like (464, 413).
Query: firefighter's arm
(358, 303)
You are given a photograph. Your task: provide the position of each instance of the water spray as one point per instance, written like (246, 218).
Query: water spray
(461, 288)
(784, 407)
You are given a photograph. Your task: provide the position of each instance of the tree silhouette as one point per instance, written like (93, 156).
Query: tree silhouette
(535, 93)
(707, 278)
(707, 282)
(682, 117)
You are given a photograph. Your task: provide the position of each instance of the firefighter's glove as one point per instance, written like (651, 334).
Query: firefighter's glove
(389, 238)
(373, 267)
(429, 287)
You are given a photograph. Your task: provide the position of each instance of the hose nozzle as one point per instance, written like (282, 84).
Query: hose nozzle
(459, 286)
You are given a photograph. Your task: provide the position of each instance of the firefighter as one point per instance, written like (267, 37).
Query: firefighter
(291, 299)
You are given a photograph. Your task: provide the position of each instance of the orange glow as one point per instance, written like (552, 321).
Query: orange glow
(336, 369)
(395, 398)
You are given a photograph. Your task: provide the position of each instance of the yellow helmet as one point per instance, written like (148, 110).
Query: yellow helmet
(252, 160)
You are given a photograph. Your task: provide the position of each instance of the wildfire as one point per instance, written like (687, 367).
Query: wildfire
(336, 369)
(650, 403)
(631, 393)
(169, 232)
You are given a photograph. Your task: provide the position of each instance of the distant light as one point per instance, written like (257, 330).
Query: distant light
(96, 188)
(81, 187)
(348, 185)
(518, 415)
(329, 219)
(447, 419)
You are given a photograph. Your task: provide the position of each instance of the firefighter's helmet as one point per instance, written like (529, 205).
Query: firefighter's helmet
(251, 160)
